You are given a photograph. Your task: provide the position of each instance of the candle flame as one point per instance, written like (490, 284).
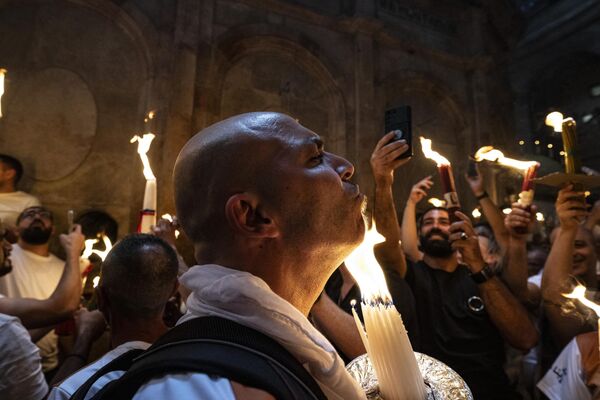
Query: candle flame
(2, 75)
(169, 218)
(491, 154)
(540, 217)
(434, 201)
(431, 154)
(96, 280)
(555, 120)
(579, 294)
(107, 247)
(143, 148)
(366, 270)
(88, 248)
(476, 213)
(506, 210)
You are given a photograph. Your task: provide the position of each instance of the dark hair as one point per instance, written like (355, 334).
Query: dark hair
(420, 217)
(97, 222)
(13, 163)
(138, 275)
(484, 229)
(20, 217)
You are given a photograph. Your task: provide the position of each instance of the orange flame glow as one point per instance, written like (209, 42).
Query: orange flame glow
(579, 294)
(2, 75)
(431, 154)
(491, 154)
(144, 143)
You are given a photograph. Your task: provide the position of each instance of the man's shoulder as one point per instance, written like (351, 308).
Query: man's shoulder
(70, 385)
(187, 386)
(12, 324)
(21, 197)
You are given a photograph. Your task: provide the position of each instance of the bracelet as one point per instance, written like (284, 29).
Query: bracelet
(483, 195)
(81, 357)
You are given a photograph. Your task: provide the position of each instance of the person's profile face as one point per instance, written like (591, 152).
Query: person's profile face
(316, 195)
(584, 255)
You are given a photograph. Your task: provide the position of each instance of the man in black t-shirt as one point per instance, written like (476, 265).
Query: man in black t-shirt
(464, 312)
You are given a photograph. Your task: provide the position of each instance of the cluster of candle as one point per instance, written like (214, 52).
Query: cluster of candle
(384, 334)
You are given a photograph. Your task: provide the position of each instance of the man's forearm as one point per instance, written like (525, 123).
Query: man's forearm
(496, 220)
(410, 240)
(515, 273)
(386, 218)
(508, 315)
(558, 266)
(338, 326)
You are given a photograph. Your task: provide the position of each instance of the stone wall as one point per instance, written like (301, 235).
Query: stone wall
(83, 73)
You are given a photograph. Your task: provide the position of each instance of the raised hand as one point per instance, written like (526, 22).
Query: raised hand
(384, 159)
(521, 221)
(464, 239)
(570, 207)
(419, 190)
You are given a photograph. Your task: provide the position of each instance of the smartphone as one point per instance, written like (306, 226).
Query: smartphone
(399, 119)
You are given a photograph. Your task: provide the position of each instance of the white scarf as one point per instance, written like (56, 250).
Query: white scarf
(246, 299)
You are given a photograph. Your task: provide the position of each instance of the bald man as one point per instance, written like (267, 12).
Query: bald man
(271, 215)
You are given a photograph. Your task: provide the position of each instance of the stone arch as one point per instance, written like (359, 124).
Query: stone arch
(247, 45)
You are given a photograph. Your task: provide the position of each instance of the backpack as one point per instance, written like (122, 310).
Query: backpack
(212, 346)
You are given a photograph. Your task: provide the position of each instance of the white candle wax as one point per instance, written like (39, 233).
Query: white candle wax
(150, 195)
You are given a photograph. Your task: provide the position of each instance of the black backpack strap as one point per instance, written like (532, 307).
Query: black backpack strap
(121, 363)
(223, 348)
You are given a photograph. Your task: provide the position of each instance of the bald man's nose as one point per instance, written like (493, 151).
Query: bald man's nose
(344, 168)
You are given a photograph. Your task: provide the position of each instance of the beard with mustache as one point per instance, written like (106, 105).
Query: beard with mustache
(436, 248)
(35, 233)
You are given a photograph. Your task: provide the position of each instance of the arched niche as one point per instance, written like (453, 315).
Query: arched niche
(272, 73)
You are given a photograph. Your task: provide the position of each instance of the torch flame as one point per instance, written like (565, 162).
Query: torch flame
(96, 280)
(491, 154)
(579, 294)
(2, 74)
(143, 148)
(555, 120)
(366, 270)
(89, 248)
(432, 155)
(434, 201)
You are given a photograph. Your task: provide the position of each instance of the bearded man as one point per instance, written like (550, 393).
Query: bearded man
(35, 271)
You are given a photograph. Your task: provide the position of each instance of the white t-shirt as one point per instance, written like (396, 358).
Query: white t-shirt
(186, 386)
(11, 205)
(21, 374)
(70, 385)
(565, 379)
(35, 277)
(537, 278)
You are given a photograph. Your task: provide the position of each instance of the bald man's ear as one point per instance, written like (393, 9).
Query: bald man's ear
(247, 218)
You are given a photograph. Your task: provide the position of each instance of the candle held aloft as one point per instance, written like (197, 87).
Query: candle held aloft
(569, 137)
(528, 191)
(450, 195)
(148, 212)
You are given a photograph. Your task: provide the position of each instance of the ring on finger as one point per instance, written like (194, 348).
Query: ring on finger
(463, 236)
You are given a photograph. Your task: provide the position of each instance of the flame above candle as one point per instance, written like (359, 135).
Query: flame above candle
(169, 218)
(579, 294)
(89, 248)
(144, 143)
(434, 201)
(2, 75)
(431, 154)
(555, 120)
(491, 154)
(366, 270)
(95, 281)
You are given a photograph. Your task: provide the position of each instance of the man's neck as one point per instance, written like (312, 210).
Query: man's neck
(7, 187)
(125, 330)
(39, 249)
(448, 264)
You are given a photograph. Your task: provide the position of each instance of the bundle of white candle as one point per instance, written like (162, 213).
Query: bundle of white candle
(385, 338)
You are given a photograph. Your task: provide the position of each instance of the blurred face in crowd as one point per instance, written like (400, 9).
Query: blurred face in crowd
(35, 225)
(5, 248)
(536, 258)
(435, 235)
(584, 256)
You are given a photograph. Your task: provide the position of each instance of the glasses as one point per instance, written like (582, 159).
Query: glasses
(41, 213)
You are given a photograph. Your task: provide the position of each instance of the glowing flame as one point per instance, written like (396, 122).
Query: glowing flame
(434, 201)
(89, 248)
(366, 270)
(107, 246)
(432, 155)
(507, 210)
(143, 148)
(490, 154)
(579, 294)
(2, 75)
(476, 213)
(169, 218)
(540, 217)
(95, 281)
(555, 120)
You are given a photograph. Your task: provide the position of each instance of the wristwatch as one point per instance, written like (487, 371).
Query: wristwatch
(483, 275)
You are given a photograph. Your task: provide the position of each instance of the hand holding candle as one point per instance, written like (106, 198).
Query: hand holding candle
(445, 171)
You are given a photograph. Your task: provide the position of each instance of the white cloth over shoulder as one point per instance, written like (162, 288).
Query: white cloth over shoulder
(246, 299)
(565, 379)
(11, 205)
(70, 385)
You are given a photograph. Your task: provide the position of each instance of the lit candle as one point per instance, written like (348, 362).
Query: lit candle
(384, 334)
(2, 75)
(148, 213)
(446, 176)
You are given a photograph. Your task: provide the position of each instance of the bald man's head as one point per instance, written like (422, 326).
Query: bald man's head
(228, 157)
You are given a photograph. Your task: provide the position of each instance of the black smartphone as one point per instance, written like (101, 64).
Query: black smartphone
(399, 119)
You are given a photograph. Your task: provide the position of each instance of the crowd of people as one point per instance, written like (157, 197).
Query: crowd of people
(266, 312)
